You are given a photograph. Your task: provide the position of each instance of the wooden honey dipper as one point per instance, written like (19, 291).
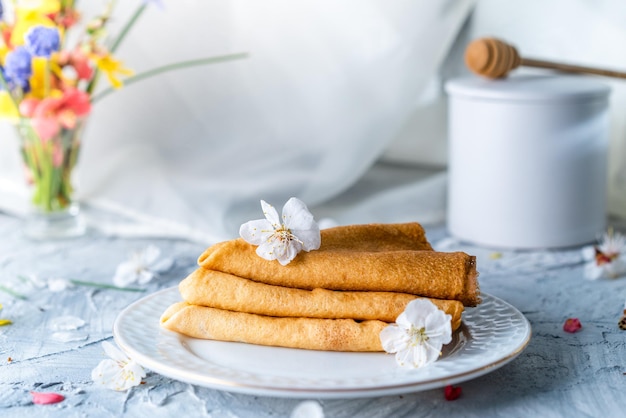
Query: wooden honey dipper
(493, 58)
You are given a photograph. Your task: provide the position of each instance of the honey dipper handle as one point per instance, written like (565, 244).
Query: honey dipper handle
(570, 68)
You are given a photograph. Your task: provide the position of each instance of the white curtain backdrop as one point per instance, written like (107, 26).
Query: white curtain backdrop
(329, 88)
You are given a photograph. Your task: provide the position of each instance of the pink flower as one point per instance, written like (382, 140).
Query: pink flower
(42, 398)
(53, 113)
(77, 60)
(452, 393)
(572, 325)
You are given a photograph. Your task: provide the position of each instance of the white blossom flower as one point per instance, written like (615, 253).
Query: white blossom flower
(607, 259)
(418, 334)
(282, 238)
(119, 372)
(142, 267)
(308, 409)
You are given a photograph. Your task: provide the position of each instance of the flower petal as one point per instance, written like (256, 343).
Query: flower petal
(256, 232)
(592, 271)
(118, 373)
(114, 352)
(287, 251)
(162, 265)
(270, 214)
(269, 248)
(296, 215)
(300, 222)
(46, 398)
(393, 338)
(150, 255)
(144, 276)
(125, 274)
(59, 285)
(308, 409)
(417, 310)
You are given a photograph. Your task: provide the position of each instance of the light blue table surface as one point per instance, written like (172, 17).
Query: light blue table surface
(558, 375)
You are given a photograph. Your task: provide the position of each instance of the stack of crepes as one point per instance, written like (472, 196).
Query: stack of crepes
(337, 298)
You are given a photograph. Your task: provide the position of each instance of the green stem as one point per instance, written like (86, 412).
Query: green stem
(127, 27)
(167, 68)
(12, 293)
(117, 42)
(106, 286)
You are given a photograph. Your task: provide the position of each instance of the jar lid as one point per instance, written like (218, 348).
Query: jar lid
(529, 88)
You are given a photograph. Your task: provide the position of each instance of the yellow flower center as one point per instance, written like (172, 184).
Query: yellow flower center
(418, 335)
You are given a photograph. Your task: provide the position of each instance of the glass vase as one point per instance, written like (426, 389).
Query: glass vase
(49, 164)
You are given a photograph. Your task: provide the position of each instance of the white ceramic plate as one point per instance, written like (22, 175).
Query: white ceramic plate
(492, 334)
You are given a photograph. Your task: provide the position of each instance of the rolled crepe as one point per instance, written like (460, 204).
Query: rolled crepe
(225, 291)
(375, 237)
(307, 333)
(423, 273)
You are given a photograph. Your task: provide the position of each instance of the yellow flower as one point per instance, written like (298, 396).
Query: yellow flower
(26, 18)
(4, 321)
(111, 67)
(7, 106)
(37, 80)
(3, 52)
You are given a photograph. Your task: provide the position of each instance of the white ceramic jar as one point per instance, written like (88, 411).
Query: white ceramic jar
(527, 160)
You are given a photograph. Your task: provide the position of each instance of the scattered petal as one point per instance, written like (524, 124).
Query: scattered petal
(572, 325)
(43, 398)
(142, 267)
(452, 393)
(282, 238)
(308, 409)
(66, 323)
(59, 285)
(68, 336)
(418, 334)
(119, 372)
(607, 259)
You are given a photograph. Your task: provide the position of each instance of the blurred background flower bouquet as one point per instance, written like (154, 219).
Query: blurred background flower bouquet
(51, 61)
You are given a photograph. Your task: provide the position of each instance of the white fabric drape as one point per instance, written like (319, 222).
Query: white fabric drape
(325, 88)
(329, 88)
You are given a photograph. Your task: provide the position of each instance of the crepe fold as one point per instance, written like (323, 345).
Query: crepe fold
(225, 291)
(375, 237)
(307, 333)
(356, 264)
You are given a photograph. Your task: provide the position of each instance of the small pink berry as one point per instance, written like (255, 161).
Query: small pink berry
(452, 392)
(572, 325)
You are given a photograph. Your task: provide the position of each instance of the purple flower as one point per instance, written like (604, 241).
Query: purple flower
(42, 41)
(17, 67)
(1, 10)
